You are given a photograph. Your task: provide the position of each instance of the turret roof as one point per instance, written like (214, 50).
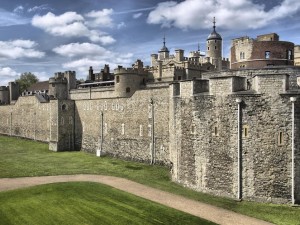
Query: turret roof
(214, 35)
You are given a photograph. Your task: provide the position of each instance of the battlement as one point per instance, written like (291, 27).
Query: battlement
(129, 71)
(3, 88)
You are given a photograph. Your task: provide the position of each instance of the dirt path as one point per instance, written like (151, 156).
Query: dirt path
(211, 213)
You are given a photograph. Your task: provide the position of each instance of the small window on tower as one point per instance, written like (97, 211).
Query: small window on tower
(267, 54)
(127, 89)
(208, 48)
(215, 47)
(117, 79)
(289, 55)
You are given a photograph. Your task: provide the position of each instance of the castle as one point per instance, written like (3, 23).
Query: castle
(228, 132)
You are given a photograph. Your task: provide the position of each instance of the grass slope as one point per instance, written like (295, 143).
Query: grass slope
(21, 158)
(85, 203)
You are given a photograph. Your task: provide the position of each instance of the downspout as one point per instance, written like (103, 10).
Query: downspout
(152, 133)
(34, 138)
(11, 123)
(101, 141)
(239, 146)
(293, 100)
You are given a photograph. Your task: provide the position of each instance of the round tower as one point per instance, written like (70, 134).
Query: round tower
(127, 81)
(214, 48)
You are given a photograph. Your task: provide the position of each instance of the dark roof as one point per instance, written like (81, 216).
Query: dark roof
(43, 85)
(214, 36)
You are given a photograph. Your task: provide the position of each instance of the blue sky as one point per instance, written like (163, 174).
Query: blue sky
(45, 37)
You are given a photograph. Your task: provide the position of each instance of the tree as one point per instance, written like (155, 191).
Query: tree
(26, 80)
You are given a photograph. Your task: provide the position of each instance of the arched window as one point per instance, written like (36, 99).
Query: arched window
(127, 89)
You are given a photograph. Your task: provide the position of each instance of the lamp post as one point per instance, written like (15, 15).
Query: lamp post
(293, 100)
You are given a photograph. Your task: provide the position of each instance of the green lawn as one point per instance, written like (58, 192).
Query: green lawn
(85, 203)
(21, 158)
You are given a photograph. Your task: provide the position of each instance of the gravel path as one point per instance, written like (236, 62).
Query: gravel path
(205, 211)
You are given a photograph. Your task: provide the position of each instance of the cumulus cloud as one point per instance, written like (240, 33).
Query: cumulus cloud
(230, 14)
(85, 55)
(137, 15)
(100, 18)
(7, 74)
(80, 49)
(69, 24)
(19, 49)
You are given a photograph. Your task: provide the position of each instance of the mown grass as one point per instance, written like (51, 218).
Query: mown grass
(19, 158)
(85, 203)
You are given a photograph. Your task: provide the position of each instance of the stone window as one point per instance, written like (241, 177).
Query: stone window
(208, 48)
(149, 130)
(179, 77)
(245, 131)
(62, 121)
(127, 89)
(193, 129)
(289, 55)
(123, 129)
(280, 138)
(216, 131)
(141, 130)
(215, 47)
(64, 107)
(267, 54)
(242, 55)
(105, 128)
(117, 79)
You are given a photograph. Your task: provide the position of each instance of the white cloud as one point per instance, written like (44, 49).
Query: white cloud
(18, 9)
(137, 15)
(19, 49)
(69, 24)
(230, 14)
(80, 49)
(11, 19)
(39, 8)
(121, 25)
(7, 74)
(100, 18)
(85, 55)
(7, 71)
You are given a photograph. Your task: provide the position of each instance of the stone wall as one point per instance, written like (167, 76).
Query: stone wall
(28, 118)
(127, 125)
(203, 143)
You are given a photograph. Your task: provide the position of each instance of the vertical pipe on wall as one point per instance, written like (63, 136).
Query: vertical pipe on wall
(239, 146)
(10, 123)
(293, 100)
(152, 133)
(99, 151)
(34, 137)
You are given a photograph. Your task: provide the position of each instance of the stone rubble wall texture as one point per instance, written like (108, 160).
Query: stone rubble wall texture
(127, 124)
(28, 118)
(195, 130)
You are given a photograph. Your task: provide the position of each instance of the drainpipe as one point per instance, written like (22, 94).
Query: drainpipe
(152, 133)
(10, 123)
(293, 100)
(239, 146)
(101, 137)
(34, 125)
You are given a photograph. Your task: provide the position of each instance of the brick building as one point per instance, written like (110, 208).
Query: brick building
(264, 51)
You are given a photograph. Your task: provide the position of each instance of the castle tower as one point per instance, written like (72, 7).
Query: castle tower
(214, 48)
(164, 51)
